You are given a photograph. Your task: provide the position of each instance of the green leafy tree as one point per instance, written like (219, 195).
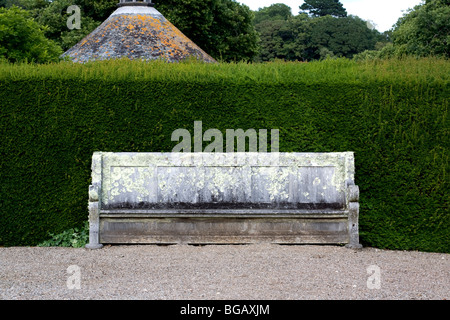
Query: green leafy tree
(98, 10)
(284, 39)
(233, 35)
(424, 30)
(23, 39)
(306, 38)
(223, 28)
(342, 37)
(55, 16)
(24, 4)
(275, 38)
(277, 11)
(320, 8)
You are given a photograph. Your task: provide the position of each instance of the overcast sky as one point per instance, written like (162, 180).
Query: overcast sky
(384, 13)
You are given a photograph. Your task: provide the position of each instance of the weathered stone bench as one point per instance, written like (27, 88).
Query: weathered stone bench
(206, 198)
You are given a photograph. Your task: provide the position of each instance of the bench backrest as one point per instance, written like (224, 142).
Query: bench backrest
(222, 180)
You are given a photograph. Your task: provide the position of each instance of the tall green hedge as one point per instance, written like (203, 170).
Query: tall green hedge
(392, 114)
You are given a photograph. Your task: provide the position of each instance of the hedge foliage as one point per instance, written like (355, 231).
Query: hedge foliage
(393, 114)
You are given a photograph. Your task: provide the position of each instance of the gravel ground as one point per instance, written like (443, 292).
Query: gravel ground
(244, 272)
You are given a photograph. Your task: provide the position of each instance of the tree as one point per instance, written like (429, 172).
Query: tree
(275, 37)
(223, 28)
(55, 16)
(98, 10)
(342, 37)
(233, 35)
(24, 4)
(320, 8)
(277, 11)
(424, 30)
(23, 39)
(306, 38)
(283, 36)
(284, 39)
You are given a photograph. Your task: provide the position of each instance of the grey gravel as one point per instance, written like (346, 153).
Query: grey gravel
(253, 272)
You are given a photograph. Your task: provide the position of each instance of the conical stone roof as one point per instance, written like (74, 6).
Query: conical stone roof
(138, 31)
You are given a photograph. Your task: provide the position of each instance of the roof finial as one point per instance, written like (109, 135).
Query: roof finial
(147, 3)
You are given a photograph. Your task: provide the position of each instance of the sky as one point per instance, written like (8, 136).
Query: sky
(383, 13)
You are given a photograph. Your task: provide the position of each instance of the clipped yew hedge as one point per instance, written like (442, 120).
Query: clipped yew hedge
(392, 114)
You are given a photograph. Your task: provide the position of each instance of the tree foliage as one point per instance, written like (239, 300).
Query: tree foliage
(98, 10)
(23, 39)
(424, 30)
(277, 11)
(223, 28)
(285, 39)
(304, 37)
(343, 37)
(55, 16)
(52, 15)
(321, 8)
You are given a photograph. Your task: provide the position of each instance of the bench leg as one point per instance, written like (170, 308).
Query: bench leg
(353, 226)
(94, 226)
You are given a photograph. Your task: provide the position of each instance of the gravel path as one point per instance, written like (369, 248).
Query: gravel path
(247, 272)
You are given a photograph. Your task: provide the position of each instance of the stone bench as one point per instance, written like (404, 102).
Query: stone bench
(223, 198)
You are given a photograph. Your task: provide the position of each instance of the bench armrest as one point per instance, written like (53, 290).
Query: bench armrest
(353, 217)
(93, 193)
(94, 217)
(353, 193)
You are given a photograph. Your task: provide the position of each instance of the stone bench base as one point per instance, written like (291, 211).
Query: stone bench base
(224, 230)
